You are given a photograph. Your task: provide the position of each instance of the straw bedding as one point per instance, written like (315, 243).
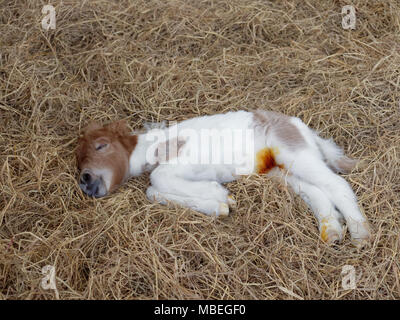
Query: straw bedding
(156, 60)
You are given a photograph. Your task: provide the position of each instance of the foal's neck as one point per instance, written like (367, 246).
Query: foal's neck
(139, 158)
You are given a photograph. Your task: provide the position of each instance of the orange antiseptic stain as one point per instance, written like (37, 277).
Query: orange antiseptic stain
(265, 159)
(324, 235)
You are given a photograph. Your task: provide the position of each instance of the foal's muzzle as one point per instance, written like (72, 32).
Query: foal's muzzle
(91, 184)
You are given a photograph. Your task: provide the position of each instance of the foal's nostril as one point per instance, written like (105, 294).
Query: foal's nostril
(85, 178)
(91, 184)
(92, 189)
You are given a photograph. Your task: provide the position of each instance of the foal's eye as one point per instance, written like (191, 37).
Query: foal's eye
(101, 146)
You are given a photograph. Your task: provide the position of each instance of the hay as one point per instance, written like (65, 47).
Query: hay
(154, 60)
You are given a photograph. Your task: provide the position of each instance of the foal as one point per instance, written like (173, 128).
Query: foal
(276, 145)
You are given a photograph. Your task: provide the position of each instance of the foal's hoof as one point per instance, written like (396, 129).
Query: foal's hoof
(331, 233)
(223, 209)
(231, 202)
(331, 237)
(361, 236)
(360, 243)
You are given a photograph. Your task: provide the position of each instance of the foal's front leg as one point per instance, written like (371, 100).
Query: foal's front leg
(169, 184)
(207, 206)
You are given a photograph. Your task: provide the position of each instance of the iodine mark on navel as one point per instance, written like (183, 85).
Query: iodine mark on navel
(266, 160)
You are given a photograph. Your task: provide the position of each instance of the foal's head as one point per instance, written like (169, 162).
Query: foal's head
(103, 157)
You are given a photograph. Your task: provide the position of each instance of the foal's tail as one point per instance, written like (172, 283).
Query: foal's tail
(334, 156)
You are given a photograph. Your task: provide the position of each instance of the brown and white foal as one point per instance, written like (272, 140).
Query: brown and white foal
(188, 169)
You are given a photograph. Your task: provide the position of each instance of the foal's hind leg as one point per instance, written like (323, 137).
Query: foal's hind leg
(315, 172)
(330, 227)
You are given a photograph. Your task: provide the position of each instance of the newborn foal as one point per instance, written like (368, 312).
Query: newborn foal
(279, 146)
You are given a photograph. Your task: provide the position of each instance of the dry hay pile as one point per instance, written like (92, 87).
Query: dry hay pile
(153, 60)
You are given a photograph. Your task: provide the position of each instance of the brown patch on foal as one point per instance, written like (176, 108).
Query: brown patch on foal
(345, 164)
(265, 160)
(169, 149)
(280, 124)
(107, 147)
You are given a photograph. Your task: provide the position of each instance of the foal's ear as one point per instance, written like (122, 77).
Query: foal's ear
(93, 125)
(120, 127)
